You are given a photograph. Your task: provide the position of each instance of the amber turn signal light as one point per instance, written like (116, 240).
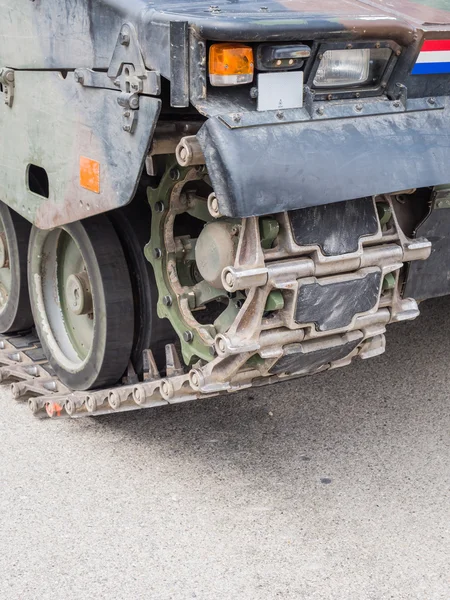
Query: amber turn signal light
(230, 64)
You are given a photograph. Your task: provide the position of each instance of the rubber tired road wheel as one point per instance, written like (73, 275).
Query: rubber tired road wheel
(15, 310)
(82, 301)
(132, 225)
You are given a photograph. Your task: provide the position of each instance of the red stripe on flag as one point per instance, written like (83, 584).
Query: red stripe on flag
(435, 45)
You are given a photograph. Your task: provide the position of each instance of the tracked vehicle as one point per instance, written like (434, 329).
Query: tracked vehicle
(200, 198)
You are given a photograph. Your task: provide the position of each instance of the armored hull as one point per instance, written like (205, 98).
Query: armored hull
(199, 198)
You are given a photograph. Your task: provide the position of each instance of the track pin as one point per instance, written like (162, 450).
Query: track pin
(18, 389)
(36, 404)
(94, 401)
(72, 404)
(53, 409)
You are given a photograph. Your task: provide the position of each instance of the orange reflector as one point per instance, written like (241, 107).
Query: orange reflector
(90, 174)
(230, 64)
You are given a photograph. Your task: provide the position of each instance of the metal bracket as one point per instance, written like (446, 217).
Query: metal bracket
(441, 197)
(7, 78)
(127, 74)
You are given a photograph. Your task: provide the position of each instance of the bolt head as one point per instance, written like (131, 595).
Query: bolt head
(124, 38)
(159, 206)
(167, 300)
(188, 336)
(175, 174)
(157, 253)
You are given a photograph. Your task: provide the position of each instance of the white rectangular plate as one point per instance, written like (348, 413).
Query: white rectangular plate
(278, 91)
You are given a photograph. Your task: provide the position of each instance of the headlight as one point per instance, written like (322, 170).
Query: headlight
(340, 68)
(356, 67)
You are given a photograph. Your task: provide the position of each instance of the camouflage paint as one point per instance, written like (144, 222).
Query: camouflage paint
(54, 120)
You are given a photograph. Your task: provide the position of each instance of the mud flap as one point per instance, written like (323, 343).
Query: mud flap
(274, 168)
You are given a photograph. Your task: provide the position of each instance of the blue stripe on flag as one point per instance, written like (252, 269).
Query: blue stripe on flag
(431, 68)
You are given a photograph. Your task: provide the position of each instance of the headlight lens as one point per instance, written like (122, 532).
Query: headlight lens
(340, 68)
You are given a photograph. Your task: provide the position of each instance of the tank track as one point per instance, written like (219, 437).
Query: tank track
(22, 361)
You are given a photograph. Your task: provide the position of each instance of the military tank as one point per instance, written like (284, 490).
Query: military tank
(198, 198)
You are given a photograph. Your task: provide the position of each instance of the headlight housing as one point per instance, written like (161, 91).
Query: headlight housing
(352, 67)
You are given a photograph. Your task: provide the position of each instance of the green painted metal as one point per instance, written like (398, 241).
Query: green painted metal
(389, 282)
(164, 261)
(269, 228)
(384, 213)
(275, 301)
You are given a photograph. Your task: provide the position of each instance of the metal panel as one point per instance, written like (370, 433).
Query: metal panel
(54, 122)
(273, 168)
(179, 64)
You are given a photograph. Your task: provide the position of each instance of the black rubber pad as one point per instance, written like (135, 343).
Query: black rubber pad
(333, 305)
(336, 228)
(296, 360)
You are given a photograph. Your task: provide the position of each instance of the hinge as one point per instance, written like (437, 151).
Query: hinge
(7, 82)
(126, 73)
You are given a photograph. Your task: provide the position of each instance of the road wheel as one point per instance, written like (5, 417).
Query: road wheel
(82, 301)
(15, 310)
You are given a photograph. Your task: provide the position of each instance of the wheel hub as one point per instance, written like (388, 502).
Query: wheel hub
(78, 294)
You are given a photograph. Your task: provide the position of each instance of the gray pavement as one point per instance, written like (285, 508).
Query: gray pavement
(333, 487)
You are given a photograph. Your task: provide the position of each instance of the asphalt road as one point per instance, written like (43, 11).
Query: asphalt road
(334, 487)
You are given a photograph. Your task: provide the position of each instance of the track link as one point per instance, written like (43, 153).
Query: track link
(22, 361)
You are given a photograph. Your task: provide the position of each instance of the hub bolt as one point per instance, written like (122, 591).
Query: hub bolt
(157, 252)
(175, 174)
(159, 207)
(167, 300)
(188, 336)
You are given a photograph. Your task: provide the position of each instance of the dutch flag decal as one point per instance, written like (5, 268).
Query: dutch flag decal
(434, 58)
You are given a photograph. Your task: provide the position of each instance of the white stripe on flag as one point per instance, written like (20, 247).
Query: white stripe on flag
(440, 56)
